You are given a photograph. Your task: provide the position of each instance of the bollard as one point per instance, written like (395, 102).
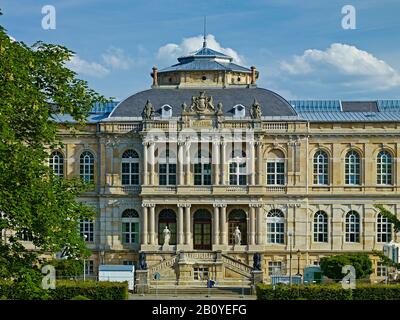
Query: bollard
(242, 296)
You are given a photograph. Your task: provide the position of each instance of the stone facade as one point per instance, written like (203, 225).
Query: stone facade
(201, 210)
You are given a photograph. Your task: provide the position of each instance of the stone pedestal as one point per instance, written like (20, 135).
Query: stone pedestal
(256, 277)
(167, 247)
(142, 281)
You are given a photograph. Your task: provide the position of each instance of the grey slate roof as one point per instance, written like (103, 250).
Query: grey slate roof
(271, 103)
(201, 65)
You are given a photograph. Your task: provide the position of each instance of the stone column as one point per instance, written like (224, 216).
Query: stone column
(259, 168)
(187, 154)
(216, 162)
(259, 226)
(251, 225)
(223, 222)
(216, 224)
(145, 237)
(181, 181)
(252, 163)
(152, 223)
(180, 224)
(187, 224)
(223, 160)
(145, 161)
(151, 151)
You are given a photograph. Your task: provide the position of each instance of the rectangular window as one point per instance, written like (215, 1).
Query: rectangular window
(128, 263)
(89, 267)
(276, 172)
(275, 268)
(130, 232)
(87, 230)
(381, 270)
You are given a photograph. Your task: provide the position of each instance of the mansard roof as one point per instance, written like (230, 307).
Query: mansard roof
(271, 103)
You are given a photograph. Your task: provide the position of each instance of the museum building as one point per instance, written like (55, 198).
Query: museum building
(205, 169)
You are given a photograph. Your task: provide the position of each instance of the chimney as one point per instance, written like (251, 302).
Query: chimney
(155, 76)
(253, 74)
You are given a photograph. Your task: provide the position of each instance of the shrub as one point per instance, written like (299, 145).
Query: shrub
(327, 292)
(67, 289)
(67, 268)
(80, 298)
(332, 266)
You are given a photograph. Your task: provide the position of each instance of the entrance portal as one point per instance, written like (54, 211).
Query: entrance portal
(202, 230)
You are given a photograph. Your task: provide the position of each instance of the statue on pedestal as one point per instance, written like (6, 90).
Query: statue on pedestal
(142, 261)
(255, 111)
(167, 236)
(238, 236)
(257, 261)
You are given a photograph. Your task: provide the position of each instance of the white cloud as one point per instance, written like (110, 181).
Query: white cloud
(344, 64)
(117, 59)
(167, 54)
(84, 67)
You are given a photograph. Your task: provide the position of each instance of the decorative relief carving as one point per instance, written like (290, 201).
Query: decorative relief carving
(202, 104)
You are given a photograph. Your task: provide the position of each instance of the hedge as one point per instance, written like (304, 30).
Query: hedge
(327, 292)
(68, 289)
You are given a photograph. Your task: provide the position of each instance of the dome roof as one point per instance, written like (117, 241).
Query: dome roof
(271, 103)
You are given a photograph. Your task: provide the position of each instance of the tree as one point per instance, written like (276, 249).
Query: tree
(392, 218)
(332, 266)
(35, 84)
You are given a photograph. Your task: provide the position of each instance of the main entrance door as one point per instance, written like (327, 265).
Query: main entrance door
(202, 230)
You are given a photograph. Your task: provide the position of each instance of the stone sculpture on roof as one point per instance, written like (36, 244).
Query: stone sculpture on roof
(148, 111)
(202, 103)
(255, 111)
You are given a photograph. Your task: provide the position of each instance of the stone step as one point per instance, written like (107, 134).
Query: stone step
(172, 290)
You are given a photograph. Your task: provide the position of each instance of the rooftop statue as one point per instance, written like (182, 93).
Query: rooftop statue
(219, 109)
(255, 111)
(148, 111)
(184, 108)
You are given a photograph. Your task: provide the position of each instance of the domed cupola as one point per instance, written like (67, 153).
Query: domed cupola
(205, 68)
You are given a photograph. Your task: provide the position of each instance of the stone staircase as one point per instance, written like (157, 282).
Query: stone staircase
(237, 266)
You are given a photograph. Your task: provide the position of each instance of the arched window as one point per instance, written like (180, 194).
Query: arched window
(383, 229)
(321, 168)
(167, 168)
(320, 227)
(56, 162)
(352, 227)
(87, 166)
(275, 226)
(384, 168)
(167, 217)
(130, 168)
(202, 168)
(237, 168)
(352, 168)
(237, 218)
(130, 226)
(276, 168)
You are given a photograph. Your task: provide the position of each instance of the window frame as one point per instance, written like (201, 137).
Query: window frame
(384, 177)
(86, 168)
(130, 219)
(57, 166)
(169, 177)
(352, 170)
(321, 168)
(86, 227)
(276, 227)
(383, 236)
(236, 167)
(320, 227)
(275, 175)
(130, 160)
(352, 228)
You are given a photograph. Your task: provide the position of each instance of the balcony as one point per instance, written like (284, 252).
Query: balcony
(123, 190)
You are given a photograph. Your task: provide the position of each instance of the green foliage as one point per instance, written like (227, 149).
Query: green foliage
(328, 292)
(67, 268)
(34, 85)
(390, 216)
(66, 290)
(332, 266)
(80, 298)
(302, 292)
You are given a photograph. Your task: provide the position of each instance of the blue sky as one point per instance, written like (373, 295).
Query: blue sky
(299, 46)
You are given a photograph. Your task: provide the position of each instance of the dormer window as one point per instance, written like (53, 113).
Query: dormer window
(239, 111)
(166, 111)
